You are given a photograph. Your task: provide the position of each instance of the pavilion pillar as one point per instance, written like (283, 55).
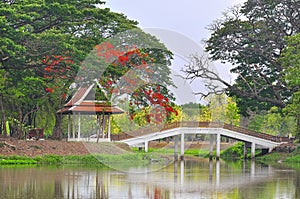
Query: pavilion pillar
(69, 126)
(103, 126)
(253, 150)
(182, 146)
(73, 125)
(218, 146)
(109, 129)
(78, 137)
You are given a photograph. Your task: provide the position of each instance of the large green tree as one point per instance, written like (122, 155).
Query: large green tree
(47, 45)
(42, 46)
(251, 38)
(290, 60)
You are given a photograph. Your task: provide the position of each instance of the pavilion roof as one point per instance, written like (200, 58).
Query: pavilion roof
(79, 104)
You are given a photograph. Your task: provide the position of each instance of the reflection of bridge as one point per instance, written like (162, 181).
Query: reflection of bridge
(215, 130)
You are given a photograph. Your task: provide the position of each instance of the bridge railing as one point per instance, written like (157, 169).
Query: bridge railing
(194, 124)
(256, 134)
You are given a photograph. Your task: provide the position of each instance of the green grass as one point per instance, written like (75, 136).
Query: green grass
(170, 151)
(141, 158)
(9, 160)
(197, 152)
(272, 157)
(96, 159)
(286, 158)
(293, 159)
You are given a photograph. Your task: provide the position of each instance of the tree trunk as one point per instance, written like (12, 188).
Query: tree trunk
(57, 131)
(297, 136)
(3, 117)
(19, 131)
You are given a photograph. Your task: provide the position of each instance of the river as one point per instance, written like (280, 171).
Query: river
(198, 178)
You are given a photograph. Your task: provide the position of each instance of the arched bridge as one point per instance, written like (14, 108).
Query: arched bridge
(215, 130)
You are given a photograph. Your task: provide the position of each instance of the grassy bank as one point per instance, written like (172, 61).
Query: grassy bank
(99, 160)
(142, 158)
(127, 159)
(236, 153)
(292, 158)
(170, 152)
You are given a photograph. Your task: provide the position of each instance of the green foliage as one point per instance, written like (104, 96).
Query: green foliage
(293, 159)
(197, 152)
(292, 110)
(290, 59)
(91, 160)
(232, 112)
(289, 159)
(42, 45)
(223, 109)
(205, 115)
(15, 160)
(75, 159)
(49, 159)
(191, 111)
(252, 39)
(234, 152)
(273, 122)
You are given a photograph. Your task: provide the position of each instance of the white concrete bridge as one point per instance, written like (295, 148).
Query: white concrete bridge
(215, 130)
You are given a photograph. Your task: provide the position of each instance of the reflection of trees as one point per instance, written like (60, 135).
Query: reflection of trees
(161, 193)
(58, 192)
(101, 189)
(297, 185)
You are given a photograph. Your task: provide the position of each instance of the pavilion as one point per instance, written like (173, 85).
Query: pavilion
(83, 103)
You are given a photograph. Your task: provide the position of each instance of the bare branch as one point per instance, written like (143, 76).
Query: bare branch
(199, 67)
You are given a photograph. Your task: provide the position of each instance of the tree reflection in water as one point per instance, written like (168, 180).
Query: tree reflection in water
(183, 179)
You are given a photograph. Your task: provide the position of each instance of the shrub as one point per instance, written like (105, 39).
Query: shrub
(234, 152)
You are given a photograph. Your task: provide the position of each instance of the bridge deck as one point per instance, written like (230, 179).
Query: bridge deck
(190, 124)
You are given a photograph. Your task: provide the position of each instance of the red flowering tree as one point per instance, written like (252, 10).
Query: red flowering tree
(138, 75)
(45, 30)
(57, 71)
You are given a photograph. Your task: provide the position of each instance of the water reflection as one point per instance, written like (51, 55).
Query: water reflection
(182, 179)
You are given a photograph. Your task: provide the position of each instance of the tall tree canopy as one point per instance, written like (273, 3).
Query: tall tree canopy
(252, 38)
(290, 60)
(42, 46)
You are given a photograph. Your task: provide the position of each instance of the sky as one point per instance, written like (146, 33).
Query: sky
(182, 27)
(188, 17)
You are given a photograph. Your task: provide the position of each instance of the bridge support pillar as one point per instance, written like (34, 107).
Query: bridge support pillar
(218, 146)
(176, 148)
(211, 146)
(182, 147)
(146, 146)
(253, 150)
(245, 150)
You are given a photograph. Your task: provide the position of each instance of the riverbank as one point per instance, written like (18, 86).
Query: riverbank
(14, 151)
(17, 152)
(291, 159)
(30, 148)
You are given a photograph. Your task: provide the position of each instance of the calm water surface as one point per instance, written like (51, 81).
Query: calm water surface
(184, 179)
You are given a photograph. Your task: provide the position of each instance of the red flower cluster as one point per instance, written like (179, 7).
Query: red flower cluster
(152, 95)
(49, 90)
(56, 66)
